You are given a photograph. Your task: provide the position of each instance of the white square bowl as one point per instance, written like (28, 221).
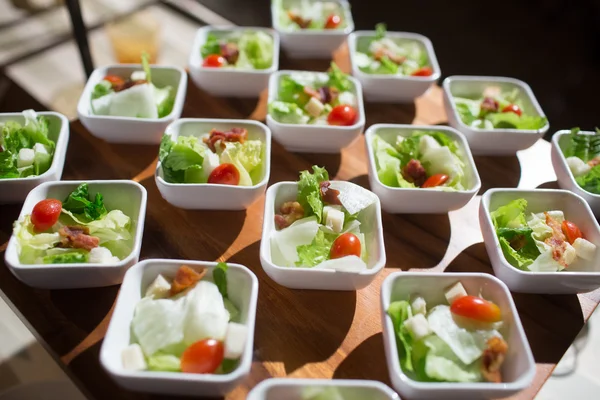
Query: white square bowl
(393, 88)
(209, 196)
(243, 290)
(492, 141)
(518, 369)
(232, 82)
(312, 43)
(401, 200)
(321, 279)
(16, 190)
(305, 138)
(584, 279)
(127, 129)
(294, 389)
(127, 196)
(565, 177)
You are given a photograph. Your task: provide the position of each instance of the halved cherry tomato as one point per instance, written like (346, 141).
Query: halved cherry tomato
(333, 21)
(203, 357)
(571, 231)
(347, 244)
(45, 214)
(342, 115)
(225, 174)
(513, 108)
(115, 80)
(476, 308)
(423, 71)
(214, 61)
(435, 180)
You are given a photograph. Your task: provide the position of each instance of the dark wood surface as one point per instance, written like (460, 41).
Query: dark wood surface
(299, 333)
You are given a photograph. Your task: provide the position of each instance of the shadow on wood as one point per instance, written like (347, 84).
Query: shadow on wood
(354, 366)
(495, 172)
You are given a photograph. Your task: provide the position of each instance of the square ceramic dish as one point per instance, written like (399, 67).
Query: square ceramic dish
(305, 138)
(208, 196)
(400, 200)
(16, 190)
(127, 196)
(492, 141)
(392, 88)
(243, 291)
(311, 43)
(518, 369)
(231, 82)
(126, 129)
(322, 279)
(297, 389)
(582, 279)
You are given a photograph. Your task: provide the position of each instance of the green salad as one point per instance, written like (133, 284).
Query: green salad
(225, 157)
(79, 229)
(293, 15)
(132, 96)
(242, 50)
(382, 54)
(187, 323)
(315, 98)
(582, 152)
(425, 159)
(25, 150)
(496, 109)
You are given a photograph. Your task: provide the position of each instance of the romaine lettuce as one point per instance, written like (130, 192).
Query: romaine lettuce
(287, 113)
(317, 251)
(79, 203)
(256, 50)
(400, 311)
(511, 215)
(164, 362)
(211, 46)
(309, 194)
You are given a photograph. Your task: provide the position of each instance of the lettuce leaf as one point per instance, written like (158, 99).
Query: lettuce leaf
(256, 50)
(70, 257)
(317, 251)
(380, 30)
(184, 153)
(511, 215)
(400, 311)
(292, 91)
(146, 66)
(441, 364)
(220, 278)
(591, 181)
(309, 193)
(339, 79)
(102, 89)
(523, 257)
(585, 147)
(211, 46)
(79, 202)
(164, 362)
(510, 120)
(246, 157)
(287, 113)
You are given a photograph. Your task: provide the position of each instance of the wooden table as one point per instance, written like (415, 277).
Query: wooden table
(299, 333)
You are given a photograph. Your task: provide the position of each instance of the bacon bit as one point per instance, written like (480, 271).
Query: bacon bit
(234, 135)
(414, 172)
(557, 240)
(127, 84)
(186, 278)
(291, 211)
(77, 237)
(489, 104)
(329, 196)
(518, 242)
(492, 359)
(593, 162)
(312, 92)
(298, 20)
(396, 59)
(230, 52)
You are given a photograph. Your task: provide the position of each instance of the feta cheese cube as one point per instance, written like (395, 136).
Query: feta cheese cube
(25, 158)
(133, 359)
(492, 91)
(335, 220)
(314, 107)
(584, 249)
(347, 98)
(419, 306)
(417, 326)
(160, 288)
(456, 291)
(570, 254)
(138, 76)
(235, 340)
(577, 166)
(102, 255)
(40, 148)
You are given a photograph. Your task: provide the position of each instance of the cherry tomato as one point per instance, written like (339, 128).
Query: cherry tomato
(333, 21)
(115, 80)
(342, 115)
(513, 108)
(225, 174)
(203, 357)
(423, 71)
(45, 214)
(476, 308)
(214, 61)
(346, 244)
(435, 180)
(571, 231)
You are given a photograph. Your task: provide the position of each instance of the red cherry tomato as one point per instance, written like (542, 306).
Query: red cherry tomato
(342, 115)
(225, 174)
(513, 108)
(203, 357)
(435, 180)
(214, 61)
(476, 308)
(571, 231)
(333, 21)
(346, 244)
(423, 71)
(115, 80)
(45, 214)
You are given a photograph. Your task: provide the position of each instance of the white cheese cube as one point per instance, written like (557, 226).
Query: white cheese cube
(326, 210)
(102, 255)
(138, 76)
(584, 249)
(417, 326)
(335, 220)
(40, 148)
(235, 340)
(456, 291)
(25, 158)
(160, 288)
(570, 254)
(347, 98)
(419, 306)
(314, 107)
(133, 359)
(577, 166)
(428, 142)
(492, 91)
(399, 140)
(211, 161)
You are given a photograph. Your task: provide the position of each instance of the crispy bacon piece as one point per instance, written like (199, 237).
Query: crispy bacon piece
(234, 135)
(324, 94)
(557, 241)
(518, 242)
(329, 195)
(77, 237)
(127, 84)
(414, 172)
(492, 359)
(395, 58)
(594, 161)
(489, 104)
(230, 52)
(186, 278)
(291, 211)
(298, 20)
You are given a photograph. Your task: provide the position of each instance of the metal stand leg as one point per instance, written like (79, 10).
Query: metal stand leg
(80, 34)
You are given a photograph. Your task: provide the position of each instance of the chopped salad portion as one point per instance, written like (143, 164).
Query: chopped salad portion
(132, 96)
(310, 14)
(392, 56)
(78, 229)
(454, 342)
(320, 227)
(323, 393)
(224, 157)
(540, 242)
(316, 98)
(242, 50)
(582, 154)
(496, 109)
(425, 159)
(186, 324)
